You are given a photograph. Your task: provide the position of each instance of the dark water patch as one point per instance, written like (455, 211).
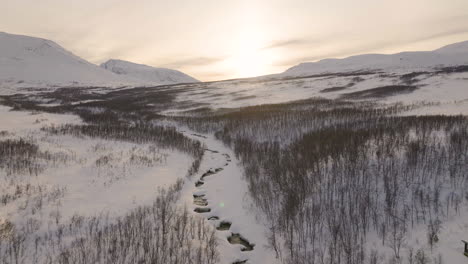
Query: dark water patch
(240, 262)
(201, 210)
(224, 226)
(213, 218)
(200, 201)
(238, 239)
(200, 136)
(199, 183)
(208, 173)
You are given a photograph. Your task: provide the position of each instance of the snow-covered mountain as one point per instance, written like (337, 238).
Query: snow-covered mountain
(454, 54)
(147, 73)
(35, 62)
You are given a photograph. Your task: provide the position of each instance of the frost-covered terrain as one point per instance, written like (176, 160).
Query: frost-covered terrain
(147, 74)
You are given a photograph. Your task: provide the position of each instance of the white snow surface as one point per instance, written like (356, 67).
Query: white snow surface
(451, 55)
(147, 74)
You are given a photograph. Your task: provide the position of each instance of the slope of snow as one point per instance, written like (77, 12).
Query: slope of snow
(456, 48)
(34, 62)
(147, 74)
(454, 54)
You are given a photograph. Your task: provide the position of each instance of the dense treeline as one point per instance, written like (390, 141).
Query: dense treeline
(327, 173)
(23, 156)
(18, 156)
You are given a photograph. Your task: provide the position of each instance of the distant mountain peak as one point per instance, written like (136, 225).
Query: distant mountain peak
(147, 73)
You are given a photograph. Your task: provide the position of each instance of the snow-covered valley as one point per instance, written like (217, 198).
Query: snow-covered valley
(360, 160)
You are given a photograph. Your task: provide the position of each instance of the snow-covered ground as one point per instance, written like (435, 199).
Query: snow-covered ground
(83, 176)
(449, 91)
(449, 246)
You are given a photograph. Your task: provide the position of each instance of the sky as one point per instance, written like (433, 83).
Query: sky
(223, 39)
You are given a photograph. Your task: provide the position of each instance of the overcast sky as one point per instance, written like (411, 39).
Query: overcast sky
(219, 39)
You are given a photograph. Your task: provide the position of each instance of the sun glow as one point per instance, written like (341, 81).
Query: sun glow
(249, 57)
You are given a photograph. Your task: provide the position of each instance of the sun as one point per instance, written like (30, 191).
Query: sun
(249, 57)
(247, 52)
(248, 63)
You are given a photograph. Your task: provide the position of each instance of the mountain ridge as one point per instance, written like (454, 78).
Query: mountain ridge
(449, 55)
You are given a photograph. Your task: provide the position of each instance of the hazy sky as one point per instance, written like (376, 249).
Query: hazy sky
(218, 39)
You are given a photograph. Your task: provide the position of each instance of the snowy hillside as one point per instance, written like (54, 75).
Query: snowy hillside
(29, 62)
(34, 62)
(454, 54)
(146, 73)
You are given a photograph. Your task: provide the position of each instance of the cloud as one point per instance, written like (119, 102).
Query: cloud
(288, 43)
(448, 33)
(195, 61)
